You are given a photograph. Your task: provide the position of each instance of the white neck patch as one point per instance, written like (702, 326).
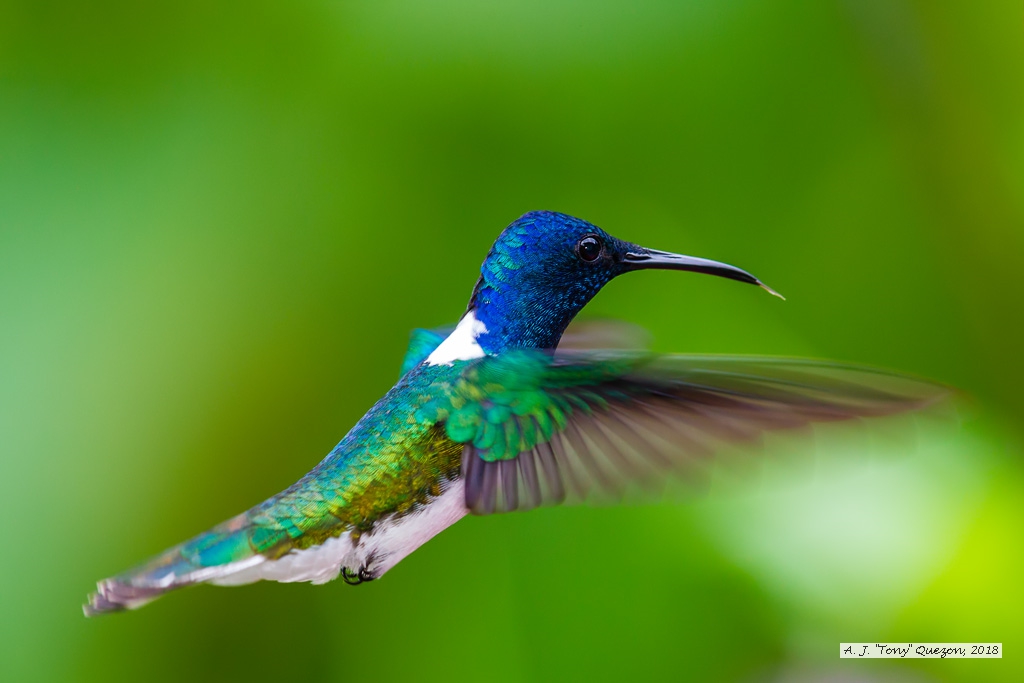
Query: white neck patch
(461, 344)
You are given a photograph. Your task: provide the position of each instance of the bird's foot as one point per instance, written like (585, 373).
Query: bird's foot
(355, 578)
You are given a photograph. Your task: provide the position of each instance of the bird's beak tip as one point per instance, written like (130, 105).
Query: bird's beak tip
(769, 290)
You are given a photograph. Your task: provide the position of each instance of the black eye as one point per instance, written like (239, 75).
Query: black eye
(589, 248)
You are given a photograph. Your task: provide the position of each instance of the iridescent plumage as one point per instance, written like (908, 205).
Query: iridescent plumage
(493, 419)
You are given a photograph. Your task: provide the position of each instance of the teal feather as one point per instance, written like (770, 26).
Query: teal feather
(422, 343)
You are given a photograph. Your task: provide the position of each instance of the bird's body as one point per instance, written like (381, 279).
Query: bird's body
(487, 418)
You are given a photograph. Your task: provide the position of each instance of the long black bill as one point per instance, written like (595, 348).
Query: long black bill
(641, 259)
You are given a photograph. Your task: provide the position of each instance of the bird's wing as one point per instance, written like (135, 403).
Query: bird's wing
(539, 429)
(592, 335)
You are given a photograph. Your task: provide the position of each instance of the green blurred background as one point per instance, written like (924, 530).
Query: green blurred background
(219, 223)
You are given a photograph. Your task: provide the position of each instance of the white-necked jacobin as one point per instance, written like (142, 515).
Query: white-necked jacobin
(488, 417)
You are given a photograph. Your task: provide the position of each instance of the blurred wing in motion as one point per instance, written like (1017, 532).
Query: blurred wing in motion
(593, 335)
(540, 430)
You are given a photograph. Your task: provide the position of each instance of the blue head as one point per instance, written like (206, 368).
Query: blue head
(546, 266)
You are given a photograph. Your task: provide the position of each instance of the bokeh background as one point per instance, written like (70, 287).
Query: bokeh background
(219, 223)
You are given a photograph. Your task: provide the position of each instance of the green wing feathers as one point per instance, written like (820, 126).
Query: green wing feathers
(538, 429)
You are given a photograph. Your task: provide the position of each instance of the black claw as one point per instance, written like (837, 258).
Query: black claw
(355, 578)
(350, 577)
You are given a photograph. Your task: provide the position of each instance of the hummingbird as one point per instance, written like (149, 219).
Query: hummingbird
(505, 412)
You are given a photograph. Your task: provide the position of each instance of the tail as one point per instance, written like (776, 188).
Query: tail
(222, 554)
